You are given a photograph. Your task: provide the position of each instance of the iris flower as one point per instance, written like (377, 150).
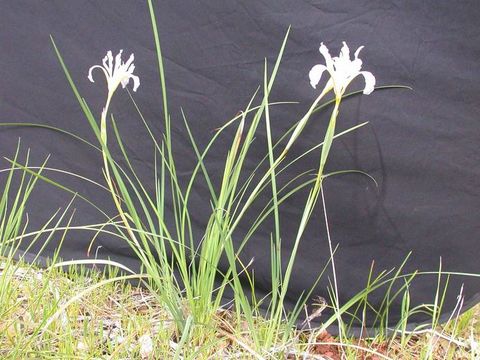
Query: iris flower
(117, 73)
(342, 71)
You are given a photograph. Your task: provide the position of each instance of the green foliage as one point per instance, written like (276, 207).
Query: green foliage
(183, 272)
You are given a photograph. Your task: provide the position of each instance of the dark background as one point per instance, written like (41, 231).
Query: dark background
(421, 145)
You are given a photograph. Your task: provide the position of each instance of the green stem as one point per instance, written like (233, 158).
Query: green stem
(310, 204)
(108, 178)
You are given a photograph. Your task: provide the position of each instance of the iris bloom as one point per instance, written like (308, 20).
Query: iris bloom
(116, 73)
(342, 71)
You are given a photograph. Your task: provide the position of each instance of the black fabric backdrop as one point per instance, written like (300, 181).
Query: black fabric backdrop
(421, 145)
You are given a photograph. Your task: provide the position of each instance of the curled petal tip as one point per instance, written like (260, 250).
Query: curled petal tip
(90, 72)
(358, 51)
(136, 82)
(315, 74)
(369, 82)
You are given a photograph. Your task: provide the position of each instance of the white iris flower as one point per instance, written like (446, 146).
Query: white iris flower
(117, 73)
(342, 71)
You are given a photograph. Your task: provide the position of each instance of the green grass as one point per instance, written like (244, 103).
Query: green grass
(113, 320)
(84, 314)
(179, 312)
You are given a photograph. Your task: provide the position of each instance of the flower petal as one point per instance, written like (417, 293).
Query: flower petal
(136, 82)
(315, 74)
(355, 66)
(104, 61)
(129, 61)
(117, 72)
(369, 82)
(345, 52)
(108, 66)
(90, 77)
(342, 69)
(118, 62)
(358, 51)
(328, 59)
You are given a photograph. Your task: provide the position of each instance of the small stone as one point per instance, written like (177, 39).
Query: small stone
(146, 346)
(81, 346)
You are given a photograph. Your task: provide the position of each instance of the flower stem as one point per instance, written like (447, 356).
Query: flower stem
(108, 178)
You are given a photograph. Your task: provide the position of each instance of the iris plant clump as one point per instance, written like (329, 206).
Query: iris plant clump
(189, 272)
(185, 270)
(199, 269)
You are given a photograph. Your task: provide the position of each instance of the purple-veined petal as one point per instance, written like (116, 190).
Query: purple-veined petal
(315, 74)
